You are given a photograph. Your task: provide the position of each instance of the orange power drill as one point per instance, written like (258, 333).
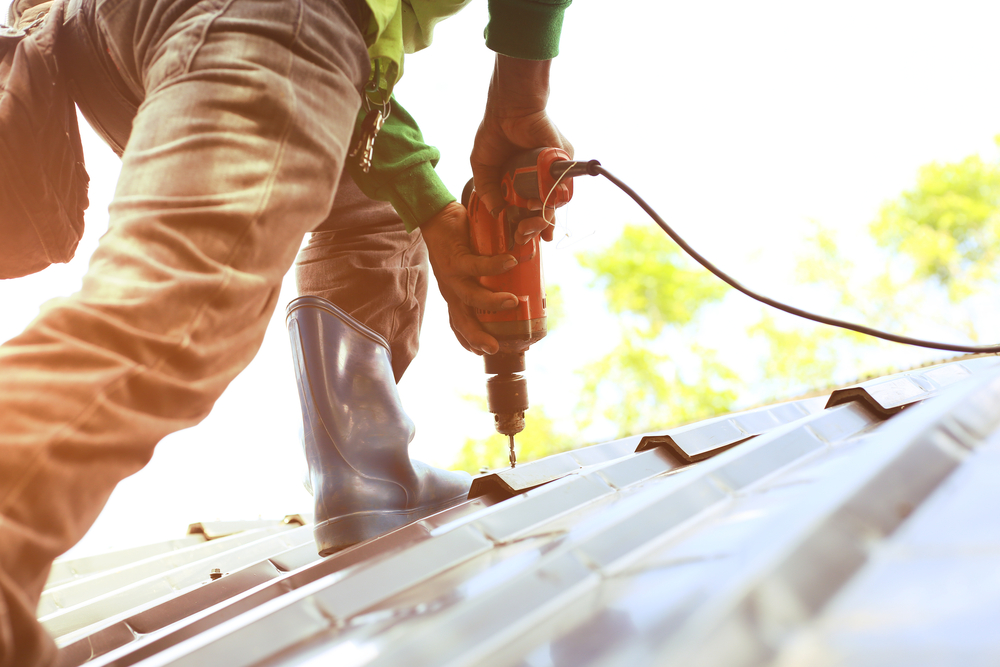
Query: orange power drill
(542, 174)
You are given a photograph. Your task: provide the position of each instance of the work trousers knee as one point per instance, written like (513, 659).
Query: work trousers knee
(362, 259)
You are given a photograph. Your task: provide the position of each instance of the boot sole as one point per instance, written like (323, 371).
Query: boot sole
(344, 531)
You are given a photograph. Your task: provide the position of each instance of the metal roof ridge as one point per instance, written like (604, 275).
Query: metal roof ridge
(703, 439)
(69, 569)
(690, 443)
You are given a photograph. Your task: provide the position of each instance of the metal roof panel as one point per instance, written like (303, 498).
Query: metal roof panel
(112, 606)
(524, 513)
(636, 558)
(79, 591)
(66, 569)
(930, 594)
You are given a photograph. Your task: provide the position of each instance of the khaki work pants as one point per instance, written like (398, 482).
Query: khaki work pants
(245, 111)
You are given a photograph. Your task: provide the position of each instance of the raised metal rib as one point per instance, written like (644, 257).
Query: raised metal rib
(890, 394)
(701, 440)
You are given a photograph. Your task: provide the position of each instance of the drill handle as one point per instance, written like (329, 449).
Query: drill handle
(520, 177)
(512, 217)
(531, 176)
(528, 176)
(495, 234)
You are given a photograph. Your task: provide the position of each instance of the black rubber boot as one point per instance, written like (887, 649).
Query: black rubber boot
(355, 432)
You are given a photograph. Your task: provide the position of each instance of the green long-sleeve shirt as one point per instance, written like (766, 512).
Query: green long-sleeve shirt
(402, 170)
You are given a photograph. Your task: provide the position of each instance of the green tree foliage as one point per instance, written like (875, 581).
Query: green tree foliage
(946, 231)
(650, 285)
(948, 226)
(825, 264)
(539, 440)
(645, 275)
(801, 356)
(797, 360)
(640, 390)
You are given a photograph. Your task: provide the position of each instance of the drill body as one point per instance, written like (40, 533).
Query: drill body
(527, 177)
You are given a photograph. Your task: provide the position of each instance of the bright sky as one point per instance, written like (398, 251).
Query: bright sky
(739, 122)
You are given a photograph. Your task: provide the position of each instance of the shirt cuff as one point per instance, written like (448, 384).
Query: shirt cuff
(526, 29)
(418, 194)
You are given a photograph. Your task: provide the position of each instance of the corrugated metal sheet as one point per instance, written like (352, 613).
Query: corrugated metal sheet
(790, 534)
(86, 609)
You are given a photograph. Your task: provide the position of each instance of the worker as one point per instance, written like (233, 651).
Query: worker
(244, 111)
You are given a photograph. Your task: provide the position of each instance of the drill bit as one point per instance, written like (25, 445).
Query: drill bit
(513, 458)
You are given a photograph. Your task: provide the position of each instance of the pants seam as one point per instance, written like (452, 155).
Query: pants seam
(204, 35)
(407, 296)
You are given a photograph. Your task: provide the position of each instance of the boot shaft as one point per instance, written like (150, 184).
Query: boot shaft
(355, 432)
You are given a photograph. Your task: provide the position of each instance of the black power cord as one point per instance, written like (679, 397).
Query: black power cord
(594, 168)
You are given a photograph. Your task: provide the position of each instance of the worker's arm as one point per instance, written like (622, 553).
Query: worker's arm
(525, 34)
(515, 121)
(402, 171)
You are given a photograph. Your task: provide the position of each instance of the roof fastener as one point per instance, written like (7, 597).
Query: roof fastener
(216, 573)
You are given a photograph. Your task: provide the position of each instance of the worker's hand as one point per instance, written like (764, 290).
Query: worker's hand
(515, 120)
(456, 268)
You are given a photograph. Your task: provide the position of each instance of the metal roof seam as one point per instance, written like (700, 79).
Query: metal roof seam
(95, 611)
(509, 520)
(345, 562)
(116, 656)
(66, 569)
(176, 652)
(532, 622)
(71, 593)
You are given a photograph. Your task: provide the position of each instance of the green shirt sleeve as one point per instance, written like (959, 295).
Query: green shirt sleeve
(526, 29)
(402, 171)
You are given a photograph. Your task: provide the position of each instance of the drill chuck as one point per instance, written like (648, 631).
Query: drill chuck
(507, 397)
(504, 363)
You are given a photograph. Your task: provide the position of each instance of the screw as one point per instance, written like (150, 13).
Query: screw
(216, 573)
